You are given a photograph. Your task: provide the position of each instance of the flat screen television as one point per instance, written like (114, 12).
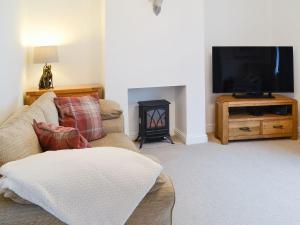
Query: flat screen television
(253, 70)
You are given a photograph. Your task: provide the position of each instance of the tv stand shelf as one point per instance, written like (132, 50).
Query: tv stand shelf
(234, 122)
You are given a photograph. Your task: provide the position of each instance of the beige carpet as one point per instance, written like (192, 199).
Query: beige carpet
(243, 183)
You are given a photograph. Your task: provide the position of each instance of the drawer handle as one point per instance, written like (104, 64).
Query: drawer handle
(278, 127)
(246, 129)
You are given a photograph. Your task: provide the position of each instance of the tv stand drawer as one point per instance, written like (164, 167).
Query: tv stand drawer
(277, 127)
(244, 128)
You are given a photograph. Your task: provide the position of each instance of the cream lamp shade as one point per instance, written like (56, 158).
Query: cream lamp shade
(45, 54)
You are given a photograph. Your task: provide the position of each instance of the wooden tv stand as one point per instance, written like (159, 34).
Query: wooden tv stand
(243, 119)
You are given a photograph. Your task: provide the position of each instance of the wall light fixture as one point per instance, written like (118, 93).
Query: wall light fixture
(157, 4)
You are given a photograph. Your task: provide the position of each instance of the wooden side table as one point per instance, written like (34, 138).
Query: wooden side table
(82, 90)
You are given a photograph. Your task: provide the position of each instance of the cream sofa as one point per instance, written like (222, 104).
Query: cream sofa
(18, 140)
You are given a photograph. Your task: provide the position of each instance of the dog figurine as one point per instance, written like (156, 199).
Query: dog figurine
(46, 80)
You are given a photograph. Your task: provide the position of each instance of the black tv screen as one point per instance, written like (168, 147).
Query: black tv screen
(252, 69)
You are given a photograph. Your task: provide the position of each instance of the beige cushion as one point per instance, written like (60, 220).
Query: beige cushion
(33, 112)
(109, 109)
(17, 137)
(113, 125)
(15, 115)
(118, 140)
(46, 104)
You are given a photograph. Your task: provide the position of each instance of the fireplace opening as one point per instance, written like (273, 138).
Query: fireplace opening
(175, 95)
(154, 124)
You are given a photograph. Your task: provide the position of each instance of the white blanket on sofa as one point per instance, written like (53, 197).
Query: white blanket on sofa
(98, 186)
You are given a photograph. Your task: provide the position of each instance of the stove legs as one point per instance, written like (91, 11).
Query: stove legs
(142, 140)
(137, 139)
(169, 139)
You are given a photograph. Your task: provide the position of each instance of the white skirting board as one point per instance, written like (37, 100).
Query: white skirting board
(191, 139)
(133, 134)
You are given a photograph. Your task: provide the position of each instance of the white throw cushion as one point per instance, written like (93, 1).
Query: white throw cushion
(107, 184)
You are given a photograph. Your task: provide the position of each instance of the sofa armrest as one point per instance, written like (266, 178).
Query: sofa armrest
(110, 109)
(114, 125)
(112, 116)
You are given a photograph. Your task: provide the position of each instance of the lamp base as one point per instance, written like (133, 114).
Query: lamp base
(46, 80)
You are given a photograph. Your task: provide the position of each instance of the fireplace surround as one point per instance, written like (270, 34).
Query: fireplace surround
(154, 121)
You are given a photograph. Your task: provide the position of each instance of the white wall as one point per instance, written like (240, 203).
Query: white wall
(144, 50)
(234, 22)
(77, 27)
(11, 58)
(286, 31)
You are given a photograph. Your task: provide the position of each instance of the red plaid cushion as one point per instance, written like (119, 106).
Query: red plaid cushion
(82, 113)
(52, 137)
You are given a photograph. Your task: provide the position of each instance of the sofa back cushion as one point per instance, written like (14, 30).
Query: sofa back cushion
(47, 105)
(82, 113)
(17, 137)
(15, 115)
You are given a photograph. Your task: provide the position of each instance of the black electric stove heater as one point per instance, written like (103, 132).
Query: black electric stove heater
(154, 122)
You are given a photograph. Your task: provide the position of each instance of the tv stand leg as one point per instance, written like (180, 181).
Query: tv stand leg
(295, 120)
(224, 141)
(224, 123)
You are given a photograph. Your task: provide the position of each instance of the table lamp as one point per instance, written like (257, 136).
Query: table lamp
(45, 54)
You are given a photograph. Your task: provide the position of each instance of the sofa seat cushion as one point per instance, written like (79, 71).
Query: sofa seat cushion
(12, 213)
(118, 140)
(154, 209)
